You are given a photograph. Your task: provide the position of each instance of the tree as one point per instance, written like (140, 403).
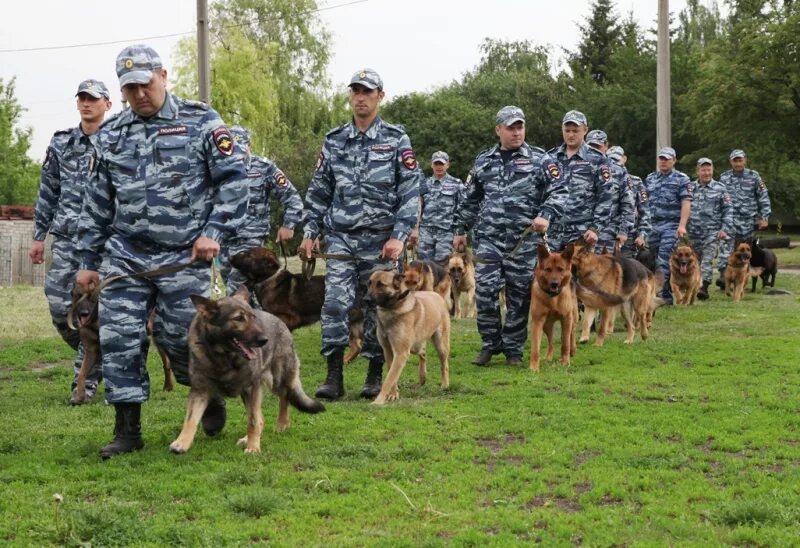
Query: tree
(601, 39)
(18, 173)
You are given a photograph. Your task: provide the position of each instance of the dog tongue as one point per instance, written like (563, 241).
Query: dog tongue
(247, 352)
(683, 269)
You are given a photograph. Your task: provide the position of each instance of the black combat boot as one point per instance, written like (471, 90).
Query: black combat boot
(702, 293)
(333, 388)
(721, 279)
(372, 386)
(127, 431)
(484, 357)
(213, 420)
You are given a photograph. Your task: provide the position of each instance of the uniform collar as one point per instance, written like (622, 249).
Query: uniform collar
(582, 153)
(524, 150)
(372, 130)
(168, 111)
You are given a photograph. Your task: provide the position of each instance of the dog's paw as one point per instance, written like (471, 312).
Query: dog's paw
(583, 341)
(178, 448)
(252, 449)
(242, 441)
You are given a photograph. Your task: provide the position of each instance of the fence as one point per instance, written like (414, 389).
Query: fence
(15, 265)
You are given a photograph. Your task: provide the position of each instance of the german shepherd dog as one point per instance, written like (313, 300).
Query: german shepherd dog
(553, 299)
(763, 263)
(685, 277)
(237, 351)
(461, 270)
(406, 320)
(84, 307)
(295, 300)
(604, 282)
(428, 276)
(738, 271)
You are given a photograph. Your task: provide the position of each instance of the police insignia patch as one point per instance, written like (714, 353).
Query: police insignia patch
(553, 170)
(280, 179)
(605, 173)
(223, 140)
(320, 160)
(409, 159)
(470, 175)
(762, 185)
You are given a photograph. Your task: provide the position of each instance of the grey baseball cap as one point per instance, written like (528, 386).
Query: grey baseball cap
(440, 156)
(738, 153)
(575, 117)
(95, 88)
(136, 63)
(703, 161)
(509, 115)
(596, 137)
(667, 152)
(616, 149)
(240, 135)
(367, 78)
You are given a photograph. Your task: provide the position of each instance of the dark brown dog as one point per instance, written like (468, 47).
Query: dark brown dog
(295, 300)
(764, 264)
(237, 351)
(738, 271)
(684, 274)
(461, 270)
(84, 308)
(428, 276)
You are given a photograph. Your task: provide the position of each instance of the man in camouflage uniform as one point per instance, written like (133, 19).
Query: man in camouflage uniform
(619, 217)
(709, 221)
(588, 177)
(168, 186)
(514, 191)
(637, 237)
(264, 178)
(439, 196)
(364, 194)
(751, 206)
(64, 174)
(670, 194)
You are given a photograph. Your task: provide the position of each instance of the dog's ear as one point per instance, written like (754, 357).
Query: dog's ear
(403, 295)
(203, 305)
(567, 253)
(542, 252)
(397, 280)
(243, 293)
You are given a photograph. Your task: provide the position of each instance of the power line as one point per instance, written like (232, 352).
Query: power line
(155, 37)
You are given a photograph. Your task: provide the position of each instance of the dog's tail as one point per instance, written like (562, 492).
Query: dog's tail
(595, 298)
(302, 401)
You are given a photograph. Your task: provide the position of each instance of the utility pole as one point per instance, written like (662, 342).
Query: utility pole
(663, 102)
(203, 73)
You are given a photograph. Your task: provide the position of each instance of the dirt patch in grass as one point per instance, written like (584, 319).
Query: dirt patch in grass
(562, 503)
(495, 444)
(583, 487)
(585, 456)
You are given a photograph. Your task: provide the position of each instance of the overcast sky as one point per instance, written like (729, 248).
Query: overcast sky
(415, 45)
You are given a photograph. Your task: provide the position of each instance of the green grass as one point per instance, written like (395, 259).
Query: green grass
(692, 438)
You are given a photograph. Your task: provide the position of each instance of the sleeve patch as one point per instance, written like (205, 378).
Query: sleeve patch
(762, 185)
(223, 140)
(470, 176)
(604, 173)
(320, 161)
(409, 159)
(280, 179)
(553, 170)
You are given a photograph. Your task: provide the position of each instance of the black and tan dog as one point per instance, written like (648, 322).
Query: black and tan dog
(763, 264)
(406, 320)
(84, 308)
(294, 299)
(428, 276)
(235, 351)
(738, 271)
(461, 270)
(685, 277)
(605, 281)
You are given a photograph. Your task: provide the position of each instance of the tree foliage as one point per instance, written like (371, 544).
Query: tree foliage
(19, 175)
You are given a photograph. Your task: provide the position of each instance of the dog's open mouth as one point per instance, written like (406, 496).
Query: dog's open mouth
(684, 267)
(84, 319)
(246, 352)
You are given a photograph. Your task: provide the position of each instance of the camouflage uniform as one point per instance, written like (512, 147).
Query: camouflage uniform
(365, 190)
(440, 200)
(502, 200)
(621, 213)
(711, 213)
(161, 183)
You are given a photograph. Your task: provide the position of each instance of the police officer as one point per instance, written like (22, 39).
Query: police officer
(264, 179)
(439, 197)
(751, 206)
(637, 237)
(709, 221)
(619, 217)
(169, 185)
(64, 174)
(514, 191)
(587, 173)
(670, 194)
(364, 195)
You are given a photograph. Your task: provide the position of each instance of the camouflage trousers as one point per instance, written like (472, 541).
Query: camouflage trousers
(124, 310)
(343, 279)
(58, 288)
(606, 241)
(515, 274)
(726, 246)
(434, 245)
(233, 278)
(705, 246)
(664, 235)
(558, 235)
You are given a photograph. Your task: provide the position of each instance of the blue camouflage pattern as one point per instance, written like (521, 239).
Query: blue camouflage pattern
(439, 200)
(712, 211)
(641, 222)
(502, 200)
(751, 202)
(159, 184)
(621, 213)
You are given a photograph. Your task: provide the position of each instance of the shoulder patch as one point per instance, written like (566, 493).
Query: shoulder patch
(643, 194)
(762, 185)
(409, 159)
(552, 169)
(223, 140)
(470, 175)
(280, 179)
(320, 161)
(604, 173)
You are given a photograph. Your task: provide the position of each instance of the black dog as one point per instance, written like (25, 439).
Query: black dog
(647, 256)
(765, 260)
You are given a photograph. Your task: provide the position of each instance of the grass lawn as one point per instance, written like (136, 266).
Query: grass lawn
(692, 438)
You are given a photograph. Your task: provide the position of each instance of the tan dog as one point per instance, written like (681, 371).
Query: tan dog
(685, 277)
(461, 270)
(406, 321)
(552, 300)
(738, 271)
(428, 276)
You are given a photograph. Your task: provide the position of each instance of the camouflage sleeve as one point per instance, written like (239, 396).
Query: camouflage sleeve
(555, 192)
(685, 189)
(49, 193)
(408, 177)
(319, 196)
(727, 213)
(229, 188)
(602, 197)
(643, 223)
(289, 198)
(762, 197)
(627, 208)
(471, 203)
(97, 213)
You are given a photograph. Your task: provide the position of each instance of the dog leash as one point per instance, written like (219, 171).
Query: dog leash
(309, 263)
(217, 283)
